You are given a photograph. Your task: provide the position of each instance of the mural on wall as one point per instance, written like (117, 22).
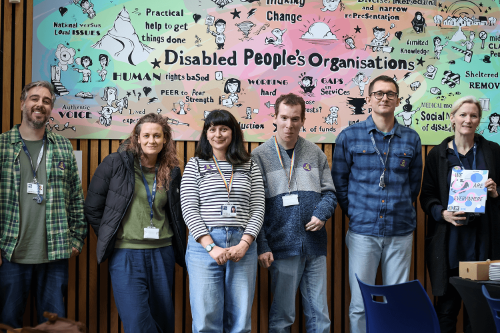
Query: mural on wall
(113, 61)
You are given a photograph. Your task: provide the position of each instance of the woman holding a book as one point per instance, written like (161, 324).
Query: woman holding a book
(457, 236)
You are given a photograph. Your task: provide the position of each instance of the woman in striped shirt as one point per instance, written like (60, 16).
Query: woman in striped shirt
(222, 199)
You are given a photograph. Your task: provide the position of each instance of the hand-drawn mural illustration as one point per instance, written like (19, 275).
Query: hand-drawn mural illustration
(307, 84)
(65, 56)
(415, 85)
(182, 108)
(86, 62)
(245, 27)
(435, 91)
(104, 61)
(356, 105)
(113, 61)
(113, 104)
(349, 42)
(494, 122)
(122, 42)
(380, 43)
(361, 81)
(331, 5)
(438, 19)
(319, 33)
(332, 117)
(450, 79)
(431, 72)
(220, 37)
(418, 23)
(233, 88)
(438, 47)
(407, 112)
(87, 7)
(278, 37)
(469, 44)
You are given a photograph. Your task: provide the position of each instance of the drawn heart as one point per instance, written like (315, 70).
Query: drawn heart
(398, 34)
(63, 10)
(146, 90)
(196, 17)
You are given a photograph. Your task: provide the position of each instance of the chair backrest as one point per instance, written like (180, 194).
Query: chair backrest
(405, 308)
(494, 306)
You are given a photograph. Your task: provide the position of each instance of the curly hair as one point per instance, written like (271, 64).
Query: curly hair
(167, 158)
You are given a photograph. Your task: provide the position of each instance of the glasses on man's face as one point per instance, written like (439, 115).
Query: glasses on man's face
(380, 94)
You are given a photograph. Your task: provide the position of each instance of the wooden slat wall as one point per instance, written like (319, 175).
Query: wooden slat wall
(90, 296)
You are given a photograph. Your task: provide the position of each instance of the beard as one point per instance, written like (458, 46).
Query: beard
(36, 123)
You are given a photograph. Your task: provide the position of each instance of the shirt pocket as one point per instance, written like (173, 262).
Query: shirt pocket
(365, 160)
(401, 159)
(58, 169)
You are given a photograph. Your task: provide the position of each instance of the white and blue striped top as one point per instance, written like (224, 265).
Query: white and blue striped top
(203, 193)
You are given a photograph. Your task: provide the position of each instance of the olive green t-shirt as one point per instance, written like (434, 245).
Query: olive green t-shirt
(31, 247)
(130, 234)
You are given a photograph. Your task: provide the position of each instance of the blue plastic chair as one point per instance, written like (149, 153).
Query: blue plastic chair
(494, 306)
(406, 308)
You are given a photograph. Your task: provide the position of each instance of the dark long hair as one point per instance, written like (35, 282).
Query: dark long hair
(236, 152)
(167, 158)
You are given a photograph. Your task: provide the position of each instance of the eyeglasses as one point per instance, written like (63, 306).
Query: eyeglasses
(380, 94)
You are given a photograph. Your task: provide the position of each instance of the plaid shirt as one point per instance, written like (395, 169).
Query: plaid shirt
(356, 172)
(64, 219)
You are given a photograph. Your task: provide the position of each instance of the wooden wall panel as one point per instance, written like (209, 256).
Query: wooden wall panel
(90, 294)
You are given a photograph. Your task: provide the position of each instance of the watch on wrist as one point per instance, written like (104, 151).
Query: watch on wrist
(209, 247)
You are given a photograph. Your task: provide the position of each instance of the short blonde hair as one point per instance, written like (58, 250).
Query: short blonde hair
(465, 100)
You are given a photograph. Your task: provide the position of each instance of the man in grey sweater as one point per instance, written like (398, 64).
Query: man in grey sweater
(300, 198)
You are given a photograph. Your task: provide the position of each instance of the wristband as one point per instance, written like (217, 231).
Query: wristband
(246, 242)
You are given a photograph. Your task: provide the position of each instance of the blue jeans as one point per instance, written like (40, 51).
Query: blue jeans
(142, 286)
(308, 272)
(365, 254)
(51, 283)
(221, 296)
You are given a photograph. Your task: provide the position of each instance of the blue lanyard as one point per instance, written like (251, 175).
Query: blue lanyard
(39, 197)
(455, 150)
(382, 176)
(151, 197)
(40, 156)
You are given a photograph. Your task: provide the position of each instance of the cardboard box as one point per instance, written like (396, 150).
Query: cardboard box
(475, 270)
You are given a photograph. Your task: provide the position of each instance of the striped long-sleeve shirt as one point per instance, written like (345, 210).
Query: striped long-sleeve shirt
(203, 193)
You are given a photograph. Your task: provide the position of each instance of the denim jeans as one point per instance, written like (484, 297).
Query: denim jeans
(142, 286)
(365, 254)
(221, 296)
(51, 283)
(308, 272)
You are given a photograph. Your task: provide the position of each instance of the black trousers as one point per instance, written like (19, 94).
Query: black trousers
(448, 307)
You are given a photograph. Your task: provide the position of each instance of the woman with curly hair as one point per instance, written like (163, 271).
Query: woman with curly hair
(133, 205)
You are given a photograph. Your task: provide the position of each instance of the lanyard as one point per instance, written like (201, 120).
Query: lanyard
(281, 161)
(382, 177)
(151, 197)
(460, 161)
(40, 156)
(228, 186)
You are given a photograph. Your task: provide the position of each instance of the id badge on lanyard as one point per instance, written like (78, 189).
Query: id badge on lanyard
(288, 199)
(227, 210)
(150, 232)
(35, 187)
